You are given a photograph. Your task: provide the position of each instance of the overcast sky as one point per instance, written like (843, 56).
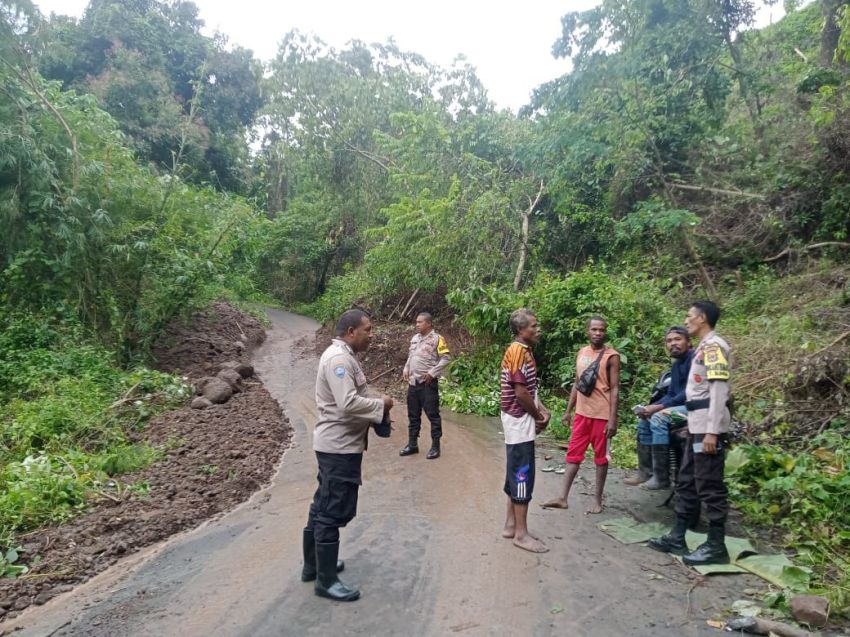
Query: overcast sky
(509, 43)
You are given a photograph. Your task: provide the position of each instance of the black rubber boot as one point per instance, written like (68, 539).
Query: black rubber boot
(434, 451)
(660, 469)
(308, 545)
(674, 541)
(327, 582)
(411, 447)
(713, 550)
(644, 454)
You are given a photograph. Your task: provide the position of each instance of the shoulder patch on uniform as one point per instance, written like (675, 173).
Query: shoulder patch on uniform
(716, 363)
(442, 347)
(339, 371)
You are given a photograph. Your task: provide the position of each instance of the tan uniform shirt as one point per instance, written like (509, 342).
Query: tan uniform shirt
(428, 354)
(345, 411)
(709, 379)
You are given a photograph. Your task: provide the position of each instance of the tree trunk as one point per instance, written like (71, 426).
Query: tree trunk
(523, 251)
(830, 31)
(523, 248)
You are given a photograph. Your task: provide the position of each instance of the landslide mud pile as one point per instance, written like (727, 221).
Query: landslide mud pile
(213, 459)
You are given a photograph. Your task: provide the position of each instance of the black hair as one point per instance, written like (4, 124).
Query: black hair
(596, 317)
(520, 319)
(426, 315)
(350, 319)
(677, 329)
(709, 310)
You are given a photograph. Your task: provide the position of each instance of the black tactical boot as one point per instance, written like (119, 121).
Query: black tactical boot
(411, 447)
(308, 545)
(674, 541)
(644, 453)
(660, 469)
(434, 451)
(713, 550)
(327, 582)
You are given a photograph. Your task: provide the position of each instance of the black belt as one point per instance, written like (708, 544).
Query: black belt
(694, 405)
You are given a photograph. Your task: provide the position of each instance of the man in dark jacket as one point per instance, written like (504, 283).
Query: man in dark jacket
(653, 430)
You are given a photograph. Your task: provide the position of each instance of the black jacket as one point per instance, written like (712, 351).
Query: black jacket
(675, 396)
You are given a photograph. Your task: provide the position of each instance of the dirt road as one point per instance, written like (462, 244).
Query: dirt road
(425, 550)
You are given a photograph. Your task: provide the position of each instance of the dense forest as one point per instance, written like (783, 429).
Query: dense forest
(147, 168)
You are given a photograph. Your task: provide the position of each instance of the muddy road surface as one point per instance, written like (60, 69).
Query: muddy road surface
(425, 549)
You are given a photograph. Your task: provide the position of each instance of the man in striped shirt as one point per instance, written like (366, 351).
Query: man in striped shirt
(523, 417)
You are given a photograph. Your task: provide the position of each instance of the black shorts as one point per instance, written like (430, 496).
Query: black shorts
(519, 477)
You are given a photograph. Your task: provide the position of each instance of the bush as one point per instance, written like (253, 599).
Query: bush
(66, 411)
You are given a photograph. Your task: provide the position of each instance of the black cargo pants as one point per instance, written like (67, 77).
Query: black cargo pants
(424, 396)
(335, 501)
(701, 480)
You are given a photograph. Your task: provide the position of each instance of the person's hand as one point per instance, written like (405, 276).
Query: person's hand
(388, 402)
(709, 444)
(611, 429)
(566, 418)
(541, 423)
(405, 375)
(649, 410)
(427, 378)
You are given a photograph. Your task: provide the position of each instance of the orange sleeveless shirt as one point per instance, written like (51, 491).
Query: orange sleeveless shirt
(598, 404)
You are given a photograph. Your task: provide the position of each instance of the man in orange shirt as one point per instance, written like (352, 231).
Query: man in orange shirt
(595, 421)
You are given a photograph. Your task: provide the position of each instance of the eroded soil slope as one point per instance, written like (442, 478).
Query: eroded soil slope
(212, 460)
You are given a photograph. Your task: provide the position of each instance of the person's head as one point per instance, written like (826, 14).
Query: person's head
(701, 318)
(424, 323)
(677, 341)
(355, 328)
(524, 326)
(597, 330)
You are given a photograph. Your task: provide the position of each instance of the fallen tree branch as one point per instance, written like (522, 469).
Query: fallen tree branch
(835, 342)
(759, 626)
(718, 191)
(381, 375)
(824, 244)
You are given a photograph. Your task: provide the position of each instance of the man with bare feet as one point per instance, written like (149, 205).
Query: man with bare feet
(523, 417)
(595, 421)
(345, 414)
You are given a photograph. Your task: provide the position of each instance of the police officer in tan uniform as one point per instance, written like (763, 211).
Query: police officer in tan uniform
(426, 361)
(346, 413)
(701, 474)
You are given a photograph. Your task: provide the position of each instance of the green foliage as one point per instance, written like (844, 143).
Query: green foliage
(148, 64)
(8, 568)
(635, 307)
(66, 412)
(805, 494)
(472, 382)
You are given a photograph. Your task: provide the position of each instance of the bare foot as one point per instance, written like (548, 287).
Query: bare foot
(508, 532)
(596, 507)
(557, 503)
(531, 544)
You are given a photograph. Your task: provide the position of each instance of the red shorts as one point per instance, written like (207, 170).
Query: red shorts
(588, 431)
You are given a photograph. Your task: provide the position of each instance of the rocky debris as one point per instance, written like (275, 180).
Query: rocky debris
(213, 459)
(810, 609)
(199, 402)
(245, 370)
(209, 338)
(217, 391)
(232, 378)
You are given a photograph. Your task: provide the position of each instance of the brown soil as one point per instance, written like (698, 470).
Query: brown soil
(213, 459)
